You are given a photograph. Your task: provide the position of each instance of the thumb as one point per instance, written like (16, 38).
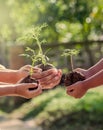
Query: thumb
(31, 85)
(60, 72)
(70, 88)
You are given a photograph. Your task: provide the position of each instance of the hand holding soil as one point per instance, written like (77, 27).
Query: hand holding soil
(25, 71)
(23, 90)
(50, 76)
(72, 76)
(48, 79)
(76, 90)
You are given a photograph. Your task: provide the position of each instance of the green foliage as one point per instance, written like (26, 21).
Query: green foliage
(34, 34)
(70, 53)
(78, 20)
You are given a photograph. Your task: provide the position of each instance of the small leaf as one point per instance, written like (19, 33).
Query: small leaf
(26, 55)
(69, 52)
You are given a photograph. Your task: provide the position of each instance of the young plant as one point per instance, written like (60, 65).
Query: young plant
(34, 35)
(73, 76)
(70, 53)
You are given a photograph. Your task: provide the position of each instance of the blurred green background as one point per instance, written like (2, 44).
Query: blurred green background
(76, 24)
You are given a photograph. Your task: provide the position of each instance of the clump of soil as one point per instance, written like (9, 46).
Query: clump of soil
(71, 78)
(45, 67)
(29, 79)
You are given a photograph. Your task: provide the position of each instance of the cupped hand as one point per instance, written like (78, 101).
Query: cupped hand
(23, 90)
(25, 71)
(76, 90)
(48, 79)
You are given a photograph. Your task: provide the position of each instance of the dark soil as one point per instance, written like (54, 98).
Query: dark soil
(45, 67)
(28, 79)
(71, 78)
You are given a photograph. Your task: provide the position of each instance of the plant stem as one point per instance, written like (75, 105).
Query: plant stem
(71, 61)
(31, 69)
(39, 46)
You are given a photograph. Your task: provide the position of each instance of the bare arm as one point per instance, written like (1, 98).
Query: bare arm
(7, 90)
(9, 76)
(92, 70)
(96, 68)
(21, 90)
(94, 81)
(12, 76)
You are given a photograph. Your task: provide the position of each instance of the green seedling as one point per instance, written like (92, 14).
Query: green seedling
(70, 53)
(34, 34)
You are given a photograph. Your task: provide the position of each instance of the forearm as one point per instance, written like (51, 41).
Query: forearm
(9, 76)
(96, 68)
(7, 90)
(94, 81)
(3, 83)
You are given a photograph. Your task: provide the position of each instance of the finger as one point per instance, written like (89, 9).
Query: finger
(52, 83)
(46, 79)
(44, 73)
(31, 85)
(70, 93)
(70, 87)
(77, 69)
(36, 92)
(49, 72)
(26, 67)
(52, 80)
(60, 73)
(35, 69)
(48, 86)
(50, 77)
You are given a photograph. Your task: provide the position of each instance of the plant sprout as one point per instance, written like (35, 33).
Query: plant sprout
(34, 35)
(70, 53)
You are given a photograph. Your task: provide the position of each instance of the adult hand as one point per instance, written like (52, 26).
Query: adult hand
(23, 90)
(25, 71)
(48, 79)
(83, 71)
(77, 90)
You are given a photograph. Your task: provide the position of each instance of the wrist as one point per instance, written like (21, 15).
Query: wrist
(16, 75)
(86, 85)
(90, 72)
(7, 90)
(12, 89)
